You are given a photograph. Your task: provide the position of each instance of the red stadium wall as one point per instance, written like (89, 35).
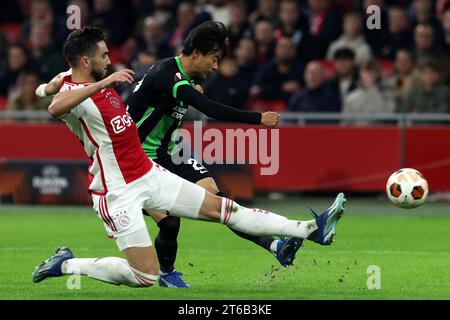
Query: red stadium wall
(39, 142)
(315, 158)
(331, 158)
(428, 150)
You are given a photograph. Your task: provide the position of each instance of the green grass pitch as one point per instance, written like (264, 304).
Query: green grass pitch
(411, 248)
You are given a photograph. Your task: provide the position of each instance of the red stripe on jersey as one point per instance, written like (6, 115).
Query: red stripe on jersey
(88, 133)
(225, 214)
(228, 210)
(100, 210)
(101, 206)
(132, 160)
(145, 284)
(108, 215)
(142, 279)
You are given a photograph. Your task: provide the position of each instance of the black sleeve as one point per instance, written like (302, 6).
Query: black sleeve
(214, 109)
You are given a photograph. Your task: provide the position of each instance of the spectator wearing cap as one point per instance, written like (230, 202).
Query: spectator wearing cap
(351, 38)
(346, 78)
(429, 94)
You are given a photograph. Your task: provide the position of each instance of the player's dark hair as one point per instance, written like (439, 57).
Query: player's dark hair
(82, 42)
(207, 38)
(344, 53)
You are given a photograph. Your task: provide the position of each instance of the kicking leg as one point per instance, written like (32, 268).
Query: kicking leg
(196, 203)
(284, 249)
(266, 242)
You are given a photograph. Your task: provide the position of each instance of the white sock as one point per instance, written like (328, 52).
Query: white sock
(111, 269)
(258, 222)
(273, 246)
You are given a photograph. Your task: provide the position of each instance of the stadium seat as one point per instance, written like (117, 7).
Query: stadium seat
(262, 105)
(387, 67)
(328, 68)
(12, 31)
(3, 102)
(115, 55)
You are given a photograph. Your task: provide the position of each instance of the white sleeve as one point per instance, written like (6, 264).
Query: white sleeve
(72, 119)
(40, 91)
(79, 110)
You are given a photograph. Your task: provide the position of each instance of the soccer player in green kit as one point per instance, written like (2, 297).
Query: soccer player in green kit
(157, 106)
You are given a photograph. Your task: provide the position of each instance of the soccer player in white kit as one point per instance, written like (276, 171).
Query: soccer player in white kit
(123, 180)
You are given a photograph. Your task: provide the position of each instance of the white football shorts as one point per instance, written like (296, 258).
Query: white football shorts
(159, 189)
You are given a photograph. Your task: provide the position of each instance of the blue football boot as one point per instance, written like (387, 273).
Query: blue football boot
(327, 221)
(52, 266)
(286, 250)
(172, 280)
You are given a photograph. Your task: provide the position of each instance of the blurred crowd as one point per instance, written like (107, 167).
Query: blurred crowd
(288, 55)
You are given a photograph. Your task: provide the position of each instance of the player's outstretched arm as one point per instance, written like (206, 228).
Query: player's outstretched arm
(65, 101)
(219, 111)
(53, 87)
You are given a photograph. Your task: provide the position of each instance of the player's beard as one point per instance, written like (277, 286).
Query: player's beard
(98, 74)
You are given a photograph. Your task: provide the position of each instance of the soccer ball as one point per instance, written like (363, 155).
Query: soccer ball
(407, 188)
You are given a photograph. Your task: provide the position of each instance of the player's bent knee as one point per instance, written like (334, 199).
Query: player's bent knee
(144, 279)
(209, 184)
(213, 188)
